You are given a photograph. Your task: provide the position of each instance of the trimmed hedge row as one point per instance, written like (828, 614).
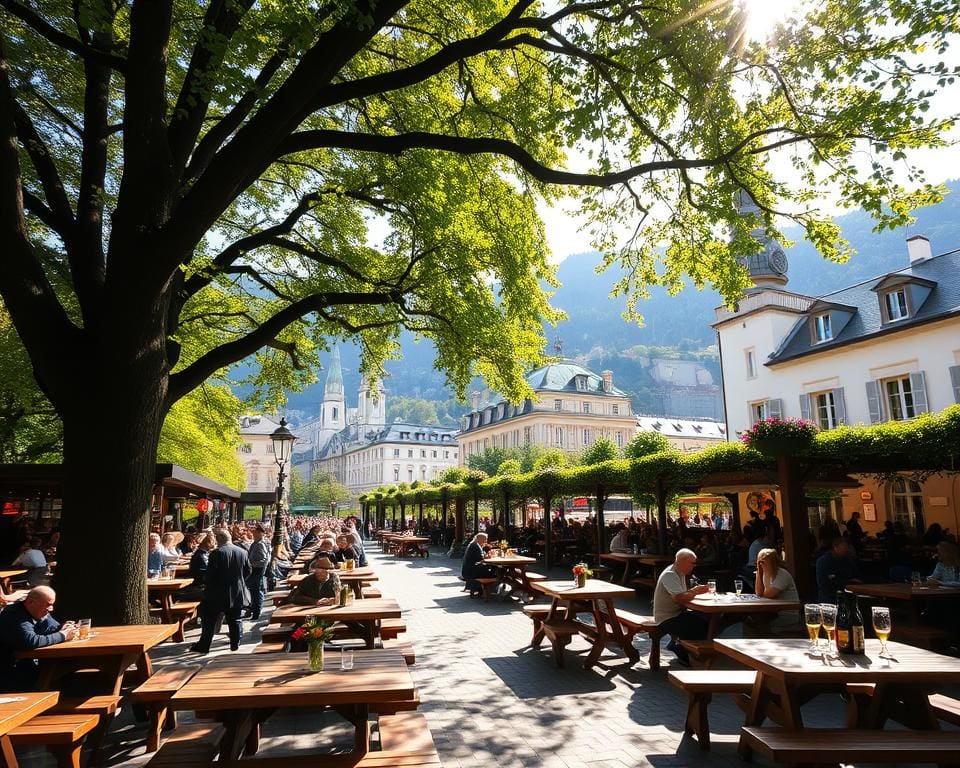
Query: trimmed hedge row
(929, 443)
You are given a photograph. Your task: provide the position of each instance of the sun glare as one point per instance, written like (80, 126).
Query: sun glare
(764, 15)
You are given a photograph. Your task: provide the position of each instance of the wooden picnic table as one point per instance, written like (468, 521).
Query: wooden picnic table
(6, 576)
(600, 595)
(242, 691)
(912, 595)
(726, 604)
(630, 560)
(512, 571)
(367, 612)
(110, 650)
(408, 546)
(164, 590)
(17, 709)
(787, 676)
(354, 579)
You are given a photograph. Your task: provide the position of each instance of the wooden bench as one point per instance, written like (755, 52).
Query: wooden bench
(279, 596)
(633, 624)
(700, 685)
(700, 651)
(393, 707)
(102, 707)
(945, 708)
(487, 584)
(405, 647)
(189, 745)
(533, 576)
(921, 636)
(538, 613)
(643, 582)
(559, 632)
(819, 746)
(276, 633)
(263, 647)
(371, 593)
(62, 735)
(183, 612)
(405, 731)
(154, 695)
(600, 571)
(390, 628)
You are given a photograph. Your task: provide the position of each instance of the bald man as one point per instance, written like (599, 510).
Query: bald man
(670, 604)
(23, 627)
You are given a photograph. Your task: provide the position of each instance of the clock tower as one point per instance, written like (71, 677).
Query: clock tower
(768, 269)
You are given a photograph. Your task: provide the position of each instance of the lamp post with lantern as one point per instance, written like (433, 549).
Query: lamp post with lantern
(283, 440)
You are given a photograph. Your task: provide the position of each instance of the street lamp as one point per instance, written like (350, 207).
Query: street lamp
(283, 440)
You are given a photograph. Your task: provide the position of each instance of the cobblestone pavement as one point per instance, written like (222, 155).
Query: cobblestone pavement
(490, 700)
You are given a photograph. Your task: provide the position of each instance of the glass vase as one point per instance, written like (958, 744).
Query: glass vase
(581, 580)
(315, 654)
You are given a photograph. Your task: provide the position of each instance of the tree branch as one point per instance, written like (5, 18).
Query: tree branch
(62, 40)
(206, 365)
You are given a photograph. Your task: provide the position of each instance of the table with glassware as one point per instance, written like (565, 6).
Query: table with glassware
(367, 613)
(243, 691)
(911, 594)
(789, 674)
(6, 576)
(354, 578)
(600, 595)
(512, 571)
(17, 709)
(717, 606)
(109, 650)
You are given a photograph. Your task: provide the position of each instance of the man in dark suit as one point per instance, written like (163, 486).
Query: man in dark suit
(23, 627)
(225, 592)
(474, 567)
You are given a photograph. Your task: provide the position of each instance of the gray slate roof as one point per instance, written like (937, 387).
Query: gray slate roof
(943, 301)
(560, 377)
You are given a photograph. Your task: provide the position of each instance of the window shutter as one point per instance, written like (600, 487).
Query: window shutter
(955, 382)
(805, 408)
(775, 408)
(918, 386)
(839, 406)
(873, 402)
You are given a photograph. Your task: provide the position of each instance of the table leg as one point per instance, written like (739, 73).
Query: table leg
(166, 607)
(713, 625)
(238, 725)
(357, 589)
(762, 706)
(600, 641)
(372, 633)
(7, 757)
(618, 635)
(361, 738)
(538, 635)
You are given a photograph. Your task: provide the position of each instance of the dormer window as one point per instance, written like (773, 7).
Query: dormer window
(822, 328)
(895, 304)
(581, 382)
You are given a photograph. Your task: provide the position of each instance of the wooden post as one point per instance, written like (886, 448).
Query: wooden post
(662, 517)
(547, 532)
(796, 536)
(476, 511)
(601, 527)
(420, 521)
(403, 514)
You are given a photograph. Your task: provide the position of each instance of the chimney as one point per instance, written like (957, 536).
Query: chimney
(918, 247)
(475, 397)
(607, 377)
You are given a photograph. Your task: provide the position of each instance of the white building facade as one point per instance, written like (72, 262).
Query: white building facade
(883, 349)
(256, 452)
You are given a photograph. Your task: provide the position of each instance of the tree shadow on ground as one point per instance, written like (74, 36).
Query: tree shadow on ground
(532, 674)
(463, 603)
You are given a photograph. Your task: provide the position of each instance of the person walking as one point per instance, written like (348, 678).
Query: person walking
(225, 592)
(259, 556)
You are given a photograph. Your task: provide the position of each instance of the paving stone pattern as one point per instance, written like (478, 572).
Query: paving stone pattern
(491, 700)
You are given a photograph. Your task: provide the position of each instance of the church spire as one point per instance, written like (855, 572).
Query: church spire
(334, 383)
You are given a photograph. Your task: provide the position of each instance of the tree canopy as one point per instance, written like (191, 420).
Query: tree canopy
(184, 185)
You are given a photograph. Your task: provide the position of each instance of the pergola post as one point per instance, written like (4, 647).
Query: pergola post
(420, 516)
(796, 539)
(403, 514)
(547, 532)
(662, 516)
(601, 526)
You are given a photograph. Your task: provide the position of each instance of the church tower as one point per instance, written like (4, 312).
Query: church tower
(768, 269)
(333, 415)
(371, 407)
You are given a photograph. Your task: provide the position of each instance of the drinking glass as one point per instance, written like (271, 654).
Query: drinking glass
(915, 578)
(170, 572)
(882, 626)
(83, 628)
(813, 618)
(346, 659)
(828, 615)
(738, 585)
(712, 586)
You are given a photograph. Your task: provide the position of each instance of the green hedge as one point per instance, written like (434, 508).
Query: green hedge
(929, 443)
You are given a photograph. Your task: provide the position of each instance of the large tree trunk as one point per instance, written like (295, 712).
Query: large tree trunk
(111, 427)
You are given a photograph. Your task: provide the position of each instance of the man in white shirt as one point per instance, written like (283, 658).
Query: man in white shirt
(670, 599)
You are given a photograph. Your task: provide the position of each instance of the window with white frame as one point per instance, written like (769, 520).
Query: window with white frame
(396, 453)
(619, 439)
(825, 409)
(615, 409)
(760, 411)
(899, 398)
(822, 328)
(750, 358)
(586, 407)
(560, 436)
(895, 303)
(558, 405)
(586, 437)
(396, 474)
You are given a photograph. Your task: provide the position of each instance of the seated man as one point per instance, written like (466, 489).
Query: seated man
(328, 549)
(354, 540)
(670, 604)
(25, 626)
(345, 550)
(474, 566)
(32, 558)
(321, 588)
(835, 569)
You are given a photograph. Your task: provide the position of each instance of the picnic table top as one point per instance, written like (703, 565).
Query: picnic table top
(9, 574)
(788, 659)
(596, 589)
(284, 680)
(411, 539)
(630, 557)
(511, 561)
(360, 610)
(729, 603)
(167, 585)
(902, 591)
(17, 708)
(357, 574)
(106, 641)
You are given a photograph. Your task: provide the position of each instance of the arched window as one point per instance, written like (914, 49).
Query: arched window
(906, 503)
